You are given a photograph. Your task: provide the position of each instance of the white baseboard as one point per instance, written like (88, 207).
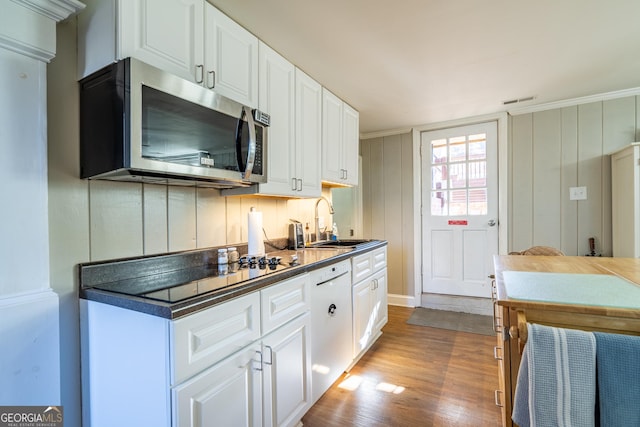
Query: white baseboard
(462, 304)
(401, 300)
(30, 356)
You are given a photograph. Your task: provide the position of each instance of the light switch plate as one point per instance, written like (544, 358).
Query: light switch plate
(578, 193)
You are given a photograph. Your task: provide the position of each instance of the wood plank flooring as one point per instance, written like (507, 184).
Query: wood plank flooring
(415, 376)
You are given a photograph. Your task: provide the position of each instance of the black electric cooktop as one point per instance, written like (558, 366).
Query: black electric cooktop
(179, 285)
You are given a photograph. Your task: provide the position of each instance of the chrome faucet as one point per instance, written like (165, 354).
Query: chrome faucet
(331, 211)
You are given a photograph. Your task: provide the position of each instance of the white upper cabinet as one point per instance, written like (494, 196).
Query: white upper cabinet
(340, 142)
(308, 136)
(277, 86)
(188, 38)
(230, 58)
(168, 34)
(294, 102)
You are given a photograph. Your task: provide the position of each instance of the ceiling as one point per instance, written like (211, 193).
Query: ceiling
(412, 62)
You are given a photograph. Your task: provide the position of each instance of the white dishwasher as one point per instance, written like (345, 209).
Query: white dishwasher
(331, 325)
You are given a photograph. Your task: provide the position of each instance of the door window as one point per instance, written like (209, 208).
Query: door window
(459, 175)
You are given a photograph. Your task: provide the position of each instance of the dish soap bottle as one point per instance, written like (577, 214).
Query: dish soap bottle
(334, 232)
(307, 235)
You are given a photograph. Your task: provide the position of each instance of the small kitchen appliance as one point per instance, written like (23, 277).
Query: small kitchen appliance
(296, 236)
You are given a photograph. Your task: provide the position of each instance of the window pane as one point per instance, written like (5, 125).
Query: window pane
(439, 177)
(478, 201)
(458, 202)
(439, 203)
(477, 147)
(477, 174)
(458, 175)
(458, 149)
(438, 151)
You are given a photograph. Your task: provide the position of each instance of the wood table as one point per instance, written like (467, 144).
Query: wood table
(588, 293)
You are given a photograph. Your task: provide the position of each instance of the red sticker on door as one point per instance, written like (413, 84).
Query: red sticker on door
(458, 222)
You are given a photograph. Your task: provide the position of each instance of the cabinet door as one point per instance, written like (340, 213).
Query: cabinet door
(167, 34)
(379, 299)
(332, 168)
(350, 144)
(308, 129)
(231, 58)
(287, 373)
(227, 394)
(361, 316)
(277, 83)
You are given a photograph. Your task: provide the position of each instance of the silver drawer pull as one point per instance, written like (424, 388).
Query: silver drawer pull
(497, 398)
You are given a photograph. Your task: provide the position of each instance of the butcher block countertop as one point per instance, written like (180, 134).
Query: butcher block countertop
(587, 285)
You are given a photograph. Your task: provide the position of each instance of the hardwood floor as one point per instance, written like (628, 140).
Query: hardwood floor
(415, 376)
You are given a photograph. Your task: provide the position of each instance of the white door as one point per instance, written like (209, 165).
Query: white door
(459, 209)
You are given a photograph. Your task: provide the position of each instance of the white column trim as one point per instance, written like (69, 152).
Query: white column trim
(28, 27)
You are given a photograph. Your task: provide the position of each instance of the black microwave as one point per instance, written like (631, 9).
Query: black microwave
(139, 123)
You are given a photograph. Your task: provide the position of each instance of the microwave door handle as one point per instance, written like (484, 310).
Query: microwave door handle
(251, 152)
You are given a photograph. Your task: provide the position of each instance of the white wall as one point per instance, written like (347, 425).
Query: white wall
(553, 150)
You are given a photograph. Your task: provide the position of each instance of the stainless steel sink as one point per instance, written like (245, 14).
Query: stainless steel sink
(346, 243)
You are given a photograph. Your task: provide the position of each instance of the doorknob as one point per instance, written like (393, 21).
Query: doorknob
(492, 222)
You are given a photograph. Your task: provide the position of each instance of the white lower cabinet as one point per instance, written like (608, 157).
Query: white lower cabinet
(244, 362)
(286, 373)
(227, 394)
(266, 383)
(369, 295)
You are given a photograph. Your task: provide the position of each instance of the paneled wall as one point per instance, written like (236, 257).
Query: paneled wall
(553, 150)
(387, 204)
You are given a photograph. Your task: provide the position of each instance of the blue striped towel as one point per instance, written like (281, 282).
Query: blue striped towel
(557, 379)
(618, 361)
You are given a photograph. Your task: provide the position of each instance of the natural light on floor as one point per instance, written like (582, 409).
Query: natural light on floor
(352, 382)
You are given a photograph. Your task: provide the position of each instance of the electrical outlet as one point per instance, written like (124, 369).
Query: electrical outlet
(321, 222)
(578, 193)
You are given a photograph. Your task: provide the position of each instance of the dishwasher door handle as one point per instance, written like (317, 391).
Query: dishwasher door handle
(332, 278)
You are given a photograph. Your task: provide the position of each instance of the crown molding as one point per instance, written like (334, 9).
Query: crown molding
(575, 101)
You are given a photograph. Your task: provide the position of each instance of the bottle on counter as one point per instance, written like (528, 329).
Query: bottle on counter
(307, 235)
(334, 232)
(232, 254)
(222, 256)
(223, 261)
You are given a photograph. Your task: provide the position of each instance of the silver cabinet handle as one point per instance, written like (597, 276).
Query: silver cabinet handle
(211, 79)
(300, 185)
(270, 362)
(294, 187)
(259, 368)
(497, 399)
(199, 73)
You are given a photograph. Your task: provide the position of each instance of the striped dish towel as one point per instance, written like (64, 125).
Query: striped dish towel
(557, 379)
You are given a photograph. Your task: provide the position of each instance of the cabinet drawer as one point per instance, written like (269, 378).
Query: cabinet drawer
(368, 263)
(204, 338)
(285, 301)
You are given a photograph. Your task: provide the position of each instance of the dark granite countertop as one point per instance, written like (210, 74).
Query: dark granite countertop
(127, 283)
